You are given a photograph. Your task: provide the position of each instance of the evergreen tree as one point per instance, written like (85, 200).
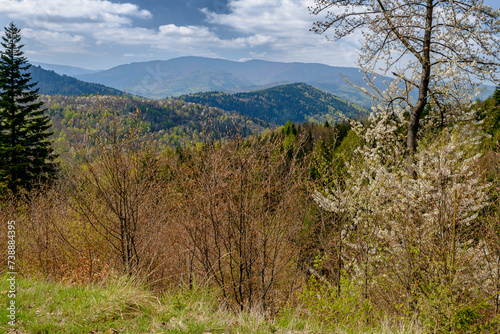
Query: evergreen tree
(25, 149)
(496, 96)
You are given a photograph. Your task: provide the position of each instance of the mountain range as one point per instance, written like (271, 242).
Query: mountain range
(185, 75)
(297, 102)
(63, 69)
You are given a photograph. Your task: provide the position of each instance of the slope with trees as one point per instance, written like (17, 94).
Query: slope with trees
(297, 103)
(321, 222)
(51, 83)
(172, 122)
(413, 199)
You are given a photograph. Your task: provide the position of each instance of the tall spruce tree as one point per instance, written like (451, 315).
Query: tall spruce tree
(26, 155)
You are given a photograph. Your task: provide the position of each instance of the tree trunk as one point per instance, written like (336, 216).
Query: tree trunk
(423, 91)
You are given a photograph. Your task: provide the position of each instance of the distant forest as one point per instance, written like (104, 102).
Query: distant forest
(297, 103)
(51, 83)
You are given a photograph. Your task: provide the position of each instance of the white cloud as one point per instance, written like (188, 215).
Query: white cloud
(277, 17)
(56, 41)
(269, 29)
(58, 23)
(179, 37)
(39, 11)
(173, 30)
(285, 24)
(137, 55)
(164, 37)
(47, 36)
(66, 25)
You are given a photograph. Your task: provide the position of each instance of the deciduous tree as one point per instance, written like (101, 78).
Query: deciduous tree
(436, 47)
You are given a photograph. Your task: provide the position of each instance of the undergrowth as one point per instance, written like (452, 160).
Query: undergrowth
(123, 306)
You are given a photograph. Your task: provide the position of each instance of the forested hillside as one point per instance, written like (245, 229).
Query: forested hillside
(51, 83)
(172, 122)
(297, 103)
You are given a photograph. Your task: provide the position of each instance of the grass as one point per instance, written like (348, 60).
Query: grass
(122, 306)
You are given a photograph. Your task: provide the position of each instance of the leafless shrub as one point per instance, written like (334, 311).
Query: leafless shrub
(242, 210)
(116, 191)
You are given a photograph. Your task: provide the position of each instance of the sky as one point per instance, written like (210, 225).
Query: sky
(100, 34)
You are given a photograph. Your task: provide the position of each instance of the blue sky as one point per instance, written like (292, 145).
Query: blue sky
(99, 34)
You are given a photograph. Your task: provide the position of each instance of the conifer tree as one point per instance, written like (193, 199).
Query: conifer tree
(25, 149)
(496, 96)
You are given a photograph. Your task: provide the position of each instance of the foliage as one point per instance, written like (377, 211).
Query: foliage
(381, 249)
(387, 247)
(25, 148)
(489, 112)
(424, 230)
(120, 305)
(332, 307)
(117, 170)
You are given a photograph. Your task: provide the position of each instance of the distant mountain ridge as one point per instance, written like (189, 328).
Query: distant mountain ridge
(185, 75)
(64, 69)
(294, 102)
(51, 83)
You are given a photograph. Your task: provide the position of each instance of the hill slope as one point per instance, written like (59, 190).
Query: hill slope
(51, 83)
(173, 123)
(295, 102)
(185, 75)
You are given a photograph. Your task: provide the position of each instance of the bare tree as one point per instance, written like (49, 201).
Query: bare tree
(433, 46)
(118, 192)
(242, 211)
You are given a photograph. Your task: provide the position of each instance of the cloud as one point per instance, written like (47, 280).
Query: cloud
(69, 26)
(164, 37)
(42, 11)
(51, 36)
(63, 25)
(285, 24)
(268, 29)
(137, 55)
(56, 41)
(276, 17)
(168, 37)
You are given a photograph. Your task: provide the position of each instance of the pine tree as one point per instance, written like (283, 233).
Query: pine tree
(26, 154)
(496, 96)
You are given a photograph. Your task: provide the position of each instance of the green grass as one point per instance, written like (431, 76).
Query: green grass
(121, 306)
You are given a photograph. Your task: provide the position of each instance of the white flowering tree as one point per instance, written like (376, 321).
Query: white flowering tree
(411, 214)
(414, 235)
(434, 48)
